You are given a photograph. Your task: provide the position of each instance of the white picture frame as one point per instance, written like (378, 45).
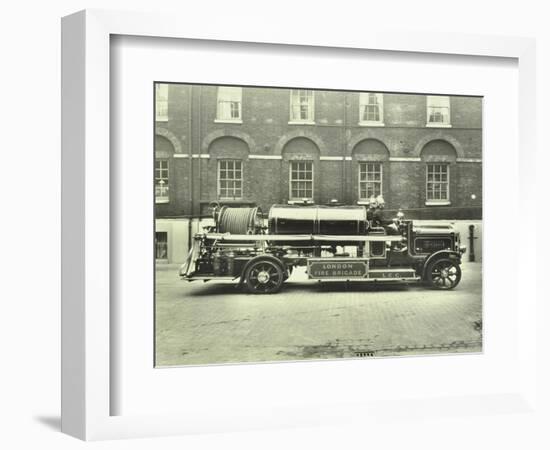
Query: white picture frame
(86, 248)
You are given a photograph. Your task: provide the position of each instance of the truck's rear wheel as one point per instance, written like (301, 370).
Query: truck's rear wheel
(264, 277)
(443, 273)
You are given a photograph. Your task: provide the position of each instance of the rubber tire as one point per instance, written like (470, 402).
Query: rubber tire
(429, 270)
(272, 288)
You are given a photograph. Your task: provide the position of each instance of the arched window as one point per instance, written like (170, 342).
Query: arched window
(439, 157)
(302, 156)
(230, 179)
(164, 151)
(370, 158)
(228, 157)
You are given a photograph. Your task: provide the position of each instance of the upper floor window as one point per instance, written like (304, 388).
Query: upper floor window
(230, 178)
(437, 183)
(371, 109)
(302, 106)
(301, 180)
(229, 104)
(161, 181)
(370, 180)
(438, 111)
(161, 102)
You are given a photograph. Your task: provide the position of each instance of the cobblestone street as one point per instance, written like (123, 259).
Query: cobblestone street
(215, 322)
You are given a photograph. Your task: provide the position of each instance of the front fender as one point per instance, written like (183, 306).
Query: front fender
(440, 254)
(186, 268)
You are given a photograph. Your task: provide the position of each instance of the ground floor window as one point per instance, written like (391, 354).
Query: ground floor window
(161, 245)
(301, 180)
(230, 178)
(370, 180)
(437, 183)
(161, 181)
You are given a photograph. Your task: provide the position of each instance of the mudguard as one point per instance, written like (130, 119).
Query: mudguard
(451, 254)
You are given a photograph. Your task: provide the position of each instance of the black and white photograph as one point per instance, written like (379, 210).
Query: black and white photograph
(300, 224)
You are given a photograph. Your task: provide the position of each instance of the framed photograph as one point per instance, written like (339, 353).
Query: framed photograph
(295, 192)
(263, 231)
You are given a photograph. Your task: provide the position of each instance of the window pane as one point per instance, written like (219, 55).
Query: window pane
(230, 179)
(230, 93)
(438, 100)
(370, 107)
(370, 180)
(161, 101)
(229, 103)
(437, 182)
(438, 109)
(301, 105)
(161, 181)
(301, 179)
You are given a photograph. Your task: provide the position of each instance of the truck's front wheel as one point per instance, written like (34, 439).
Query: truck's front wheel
(264, 277)
(443, 273)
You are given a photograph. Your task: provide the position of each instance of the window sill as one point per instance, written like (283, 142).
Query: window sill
(161, 119)
(305, 122)
(162, 201)
(438, 125)
(230, 201)
(301, 202)
(371, 124)
(235, 121)
(438, 203)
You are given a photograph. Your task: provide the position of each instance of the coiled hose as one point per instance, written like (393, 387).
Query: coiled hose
(239, 220)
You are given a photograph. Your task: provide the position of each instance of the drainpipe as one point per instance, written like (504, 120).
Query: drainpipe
(343, 195)
(190, 158)
(200, 146)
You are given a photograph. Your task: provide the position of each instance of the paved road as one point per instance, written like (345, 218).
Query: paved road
(214, 322)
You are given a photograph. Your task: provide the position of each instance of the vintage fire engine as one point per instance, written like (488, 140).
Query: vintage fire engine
(338, 243)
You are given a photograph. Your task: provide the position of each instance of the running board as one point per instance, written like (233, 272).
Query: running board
(392, 275)
(206, 278)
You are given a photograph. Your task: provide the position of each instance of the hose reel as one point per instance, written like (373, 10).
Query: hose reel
(239, 220)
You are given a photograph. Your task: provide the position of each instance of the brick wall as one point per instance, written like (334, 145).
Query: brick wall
(265, 141)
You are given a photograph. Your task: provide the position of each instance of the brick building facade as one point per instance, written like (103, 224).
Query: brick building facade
(262, 146)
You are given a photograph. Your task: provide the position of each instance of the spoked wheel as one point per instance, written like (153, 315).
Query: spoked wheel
(443, 274)
(264, 277)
